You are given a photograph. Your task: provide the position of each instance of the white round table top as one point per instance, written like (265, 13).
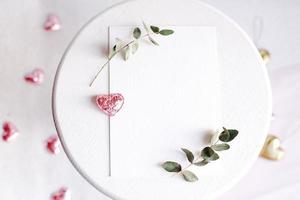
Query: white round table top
(246, 101)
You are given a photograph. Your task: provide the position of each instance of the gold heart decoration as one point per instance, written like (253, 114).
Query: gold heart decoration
(272, 149)
(265, 54)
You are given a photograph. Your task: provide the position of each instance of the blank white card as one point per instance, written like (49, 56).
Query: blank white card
(172, 97)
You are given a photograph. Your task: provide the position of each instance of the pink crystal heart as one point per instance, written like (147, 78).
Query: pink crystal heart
(10, 131)
(62, 194)
(110, 104)
(52, 144)
(52, 23)
(35, 77)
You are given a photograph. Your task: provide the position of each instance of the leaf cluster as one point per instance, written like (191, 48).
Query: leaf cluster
(132, 47)
(208, 154)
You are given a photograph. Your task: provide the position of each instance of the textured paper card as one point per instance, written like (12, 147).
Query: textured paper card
(172, 98)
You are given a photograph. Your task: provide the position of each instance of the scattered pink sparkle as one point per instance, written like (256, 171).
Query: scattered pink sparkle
(10, 131)
(62, 194)
(110, 104)
(52, 23)
(35, 77)
(52, 144)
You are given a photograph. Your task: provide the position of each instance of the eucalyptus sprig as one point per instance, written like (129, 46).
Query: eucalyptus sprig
(219, 142)
(131, 47)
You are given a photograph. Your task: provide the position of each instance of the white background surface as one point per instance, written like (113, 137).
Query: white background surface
(27, 171)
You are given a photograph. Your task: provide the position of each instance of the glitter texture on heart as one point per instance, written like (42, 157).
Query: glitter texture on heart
(110, 104)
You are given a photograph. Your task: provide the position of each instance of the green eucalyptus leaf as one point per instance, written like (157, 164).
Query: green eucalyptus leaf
(112, 54)
(233, 133)
(153, 41)
(214, 157)
(201, 163)
(134, 47)
(155, 29)
(225, 135)
(189, 176)
(228, 135)
(207, 152)
(114, 48)
(137, 33)
(146, 27)
(166, 32)
(127, 52)
(171, 166)
(189, 155)
(220, 147)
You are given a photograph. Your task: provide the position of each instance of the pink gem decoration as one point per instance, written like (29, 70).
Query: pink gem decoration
(10, 131)
(110, 104)
(35, 77)
(52, 23)
(52, 144)
(62, 194)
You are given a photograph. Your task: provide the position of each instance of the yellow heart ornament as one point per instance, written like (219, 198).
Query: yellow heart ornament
(272, 149)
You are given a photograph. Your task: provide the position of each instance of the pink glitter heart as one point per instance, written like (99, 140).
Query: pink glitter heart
(10, 132)
(52, 23)
(35, 77)
(62, 194)
(52, 144)
(110, 104)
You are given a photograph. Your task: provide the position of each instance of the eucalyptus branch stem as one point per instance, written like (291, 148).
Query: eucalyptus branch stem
(208, 154)
(196, 160)
(187, 167)
(113, 55)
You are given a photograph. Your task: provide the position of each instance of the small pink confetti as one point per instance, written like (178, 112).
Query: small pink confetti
(35, 77)
(110, 104)
(52, 144)
(62, 194)
(52, 23)
(10, 131)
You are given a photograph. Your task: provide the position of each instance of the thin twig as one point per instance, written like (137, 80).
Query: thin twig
(113, 55)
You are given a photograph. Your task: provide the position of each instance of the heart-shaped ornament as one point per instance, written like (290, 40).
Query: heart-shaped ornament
(52, 23)
(110, 104)
(35, 77)
(52, 144)
(62, 194)
(10, 131)
(272, 149)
